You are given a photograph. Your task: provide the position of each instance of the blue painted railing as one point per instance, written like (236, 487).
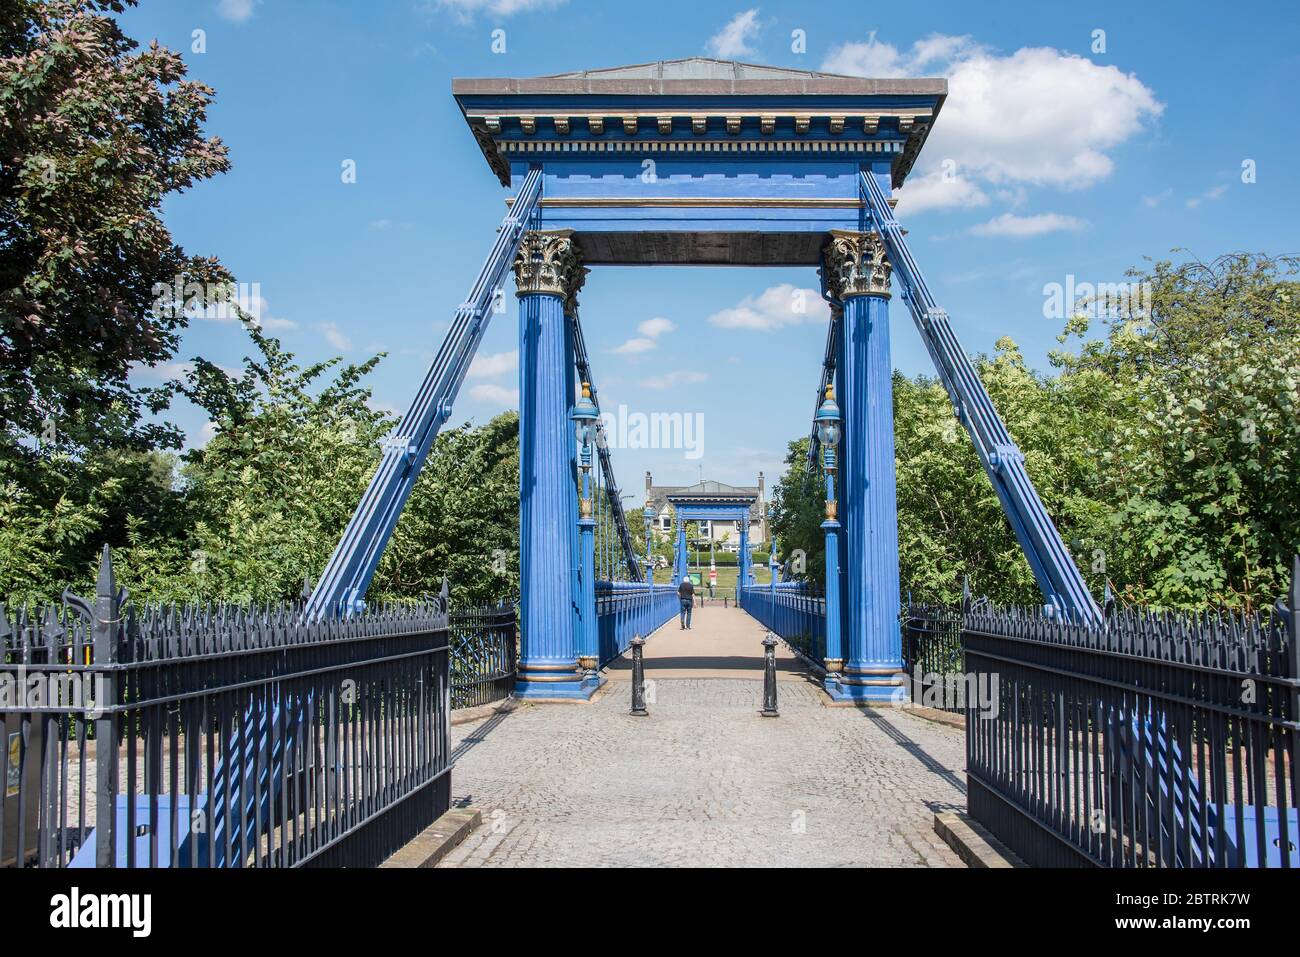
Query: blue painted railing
(627, 609)
(793, 611)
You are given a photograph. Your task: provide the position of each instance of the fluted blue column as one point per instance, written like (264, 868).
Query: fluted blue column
(858, 275)
(575, 560)
(546, 272)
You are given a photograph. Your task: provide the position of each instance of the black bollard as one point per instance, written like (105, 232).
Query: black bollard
(769, 678)
(638, 679)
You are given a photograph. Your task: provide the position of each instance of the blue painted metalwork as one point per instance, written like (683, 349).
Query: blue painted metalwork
(828, 430)
(627, 609)
(773, 566)
(1057, 575)
(347, 575)
(549, 649)
(711, 508)
(648, 513)
(615, 500)
(793, 611)
(872, 640)
(585, 416)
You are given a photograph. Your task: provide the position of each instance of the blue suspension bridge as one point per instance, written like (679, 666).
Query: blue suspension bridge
(613, 167)
(713, 163)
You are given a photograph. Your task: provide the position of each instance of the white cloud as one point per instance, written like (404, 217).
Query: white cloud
(774, 307)
(733, 39)
(469, 9)
(650, 329)
(334, 335)
(634, 346)
(1021, 227)
(162, 372)
(494, 364)
(494, 394)
(1208, 195)
(237, 11)
(934, 190)
(1151, 202)
(656, 327)
(250, 303)
(671, 380)
(1038, 116)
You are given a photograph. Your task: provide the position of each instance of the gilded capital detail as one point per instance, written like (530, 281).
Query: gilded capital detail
(854, 264)
(549, 262)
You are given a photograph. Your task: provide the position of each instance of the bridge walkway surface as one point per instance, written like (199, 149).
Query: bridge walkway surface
(704, 780)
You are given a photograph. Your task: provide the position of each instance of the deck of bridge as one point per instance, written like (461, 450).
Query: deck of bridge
(704, 780)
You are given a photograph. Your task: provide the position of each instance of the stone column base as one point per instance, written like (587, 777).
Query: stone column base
(555, 682)
(874, 685)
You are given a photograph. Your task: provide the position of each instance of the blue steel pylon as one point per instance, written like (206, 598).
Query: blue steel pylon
(1054, 569)
(346, 577)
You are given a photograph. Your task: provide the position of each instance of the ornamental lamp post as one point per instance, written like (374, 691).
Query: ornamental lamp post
(827, 421)
(771, 548)
(648, 513)
(585, 416)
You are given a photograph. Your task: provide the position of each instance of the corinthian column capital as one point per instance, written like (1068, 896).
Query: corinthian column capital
(854, 264)
(549, 262)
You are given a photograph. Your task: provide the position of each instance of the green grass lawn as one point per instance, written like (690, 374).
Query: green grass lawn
(727, 575)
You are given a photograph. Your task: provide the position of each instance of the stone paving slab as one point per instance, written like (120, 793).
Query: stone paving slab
(705, 781)
(721, 643)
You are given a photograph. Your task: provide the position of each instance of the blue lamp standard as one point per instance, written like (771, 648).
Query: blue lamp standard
(771, 549)
(648, 513)
(828, 434)
(585, 415)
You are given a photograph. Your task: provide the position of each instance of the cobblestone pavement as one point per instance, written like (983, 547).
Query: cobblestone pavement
(705, 781)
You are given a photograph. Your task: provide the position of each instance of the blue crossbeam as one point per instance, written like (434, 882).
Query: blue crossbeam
(346, 577)
(1058, 577)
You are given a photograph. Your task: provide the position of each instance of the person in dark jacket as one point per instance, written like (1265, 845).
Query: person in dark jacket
(686, 594)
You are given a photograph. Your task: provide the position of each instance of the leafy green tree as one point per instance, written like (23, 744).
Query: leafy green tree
(292, 450)
(268, 495)
(461, 521)
(799, 506)
(1201, 433)
(1164, 450)
(94, 134)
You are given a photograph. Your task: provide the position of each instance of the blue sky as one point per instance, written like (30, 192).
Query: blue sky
(1063, 161)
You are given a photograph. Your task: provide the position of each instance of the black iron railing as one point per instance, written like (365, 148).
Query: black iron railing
(220, 736)
(932, 656)
(1158, 740)
(483, 654)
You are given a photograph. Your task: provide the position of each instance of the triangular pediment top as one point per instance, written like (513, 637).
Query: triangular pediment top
(710, 487)
(694, 68)
(700, 75)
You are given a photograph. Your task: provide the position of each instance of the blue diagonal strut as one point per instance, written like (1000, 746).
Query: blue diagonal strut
(346, 577)
(1057, 575)
(606, 465)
